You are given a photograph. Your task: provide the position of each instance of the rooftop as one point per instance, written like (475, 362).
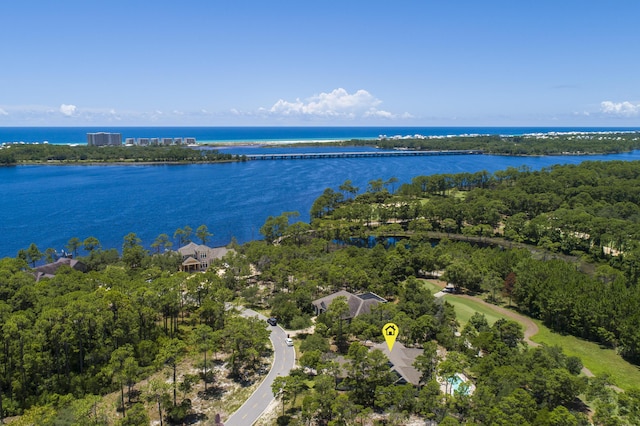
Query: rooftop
(401, 359)
(358, 304)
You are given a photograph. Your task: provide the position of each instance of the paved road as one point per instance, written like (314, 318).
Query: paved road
(283, 361)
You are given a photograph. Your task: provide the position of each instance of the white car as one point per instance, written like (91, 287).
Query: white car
(289, 342)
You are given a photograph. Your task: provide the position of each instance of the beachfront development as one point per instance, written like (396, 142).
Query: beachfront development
(115, 139)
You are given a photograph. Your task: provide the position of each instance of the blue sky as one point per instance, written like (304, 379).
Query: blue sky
(395, 63)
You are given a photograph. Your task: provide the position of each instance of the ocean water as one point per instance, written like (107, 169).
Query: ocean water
(48, 205)
(78, 135)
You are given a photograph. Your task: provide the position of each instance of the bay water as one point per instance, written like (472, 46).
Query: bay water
(48, 205)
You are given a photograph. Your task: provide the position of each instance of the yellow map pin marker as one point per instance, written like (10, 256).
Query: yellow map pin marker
(390, 332)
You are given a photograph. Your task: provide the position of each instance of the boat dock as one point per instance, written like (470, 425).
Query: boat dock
(319, 155)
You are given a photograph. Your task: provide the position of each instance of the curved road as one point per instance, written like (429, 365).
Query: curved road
(284, 358)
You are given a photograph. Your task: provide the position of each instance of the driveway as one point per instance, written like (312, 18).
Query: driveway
(284, 358)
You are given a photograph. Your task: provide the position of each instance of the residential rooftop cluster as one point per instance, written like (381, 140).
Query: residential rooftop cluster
(603, 135)
(8, 144)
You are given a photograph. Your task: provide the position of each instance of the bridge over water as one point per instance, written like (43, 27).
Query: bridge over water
(397, 153)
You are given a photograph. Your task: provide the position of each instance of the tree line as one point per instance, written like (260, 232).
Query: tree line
(531, 144)
(52, 153)
(534, 144)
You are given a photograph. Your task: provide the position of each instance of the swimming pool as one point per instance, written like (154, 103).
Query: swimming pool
(460, 385)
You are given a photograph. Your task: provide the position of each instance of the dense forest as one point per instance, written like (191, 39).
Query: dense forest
(589, 211)
(78, 334)
(559, 244)
(71, 337)
(63, 154)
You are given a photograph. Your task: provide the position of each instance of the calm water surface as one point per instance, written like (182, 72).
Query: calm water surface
(50, 204)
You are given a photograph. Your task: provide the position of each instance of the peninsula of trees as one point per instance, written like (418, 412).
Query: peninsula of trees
(534, 144)
(67, 154)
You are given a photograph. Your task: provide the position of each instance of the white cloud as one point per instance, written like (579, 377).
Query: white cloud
(43, 115)
(337, 103)
(113, 115)
(378, 113)
(68, 110)
(334, 106)
(625, 109)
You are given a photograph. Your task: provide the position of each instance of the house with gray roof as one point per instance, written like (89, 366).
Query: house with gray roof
(198, 257)
(358, 304)
(49, 270)
(401, 361)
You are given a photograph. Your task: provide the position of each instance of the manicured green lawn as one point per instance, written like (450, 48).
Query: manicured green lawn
(465, 308)
(595, 358)
(432, 287)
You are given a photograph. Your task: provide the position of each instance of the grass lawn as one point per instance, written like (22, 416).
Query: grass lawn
(594, 357)
(431, 286)
(597, 359)
(465, 309)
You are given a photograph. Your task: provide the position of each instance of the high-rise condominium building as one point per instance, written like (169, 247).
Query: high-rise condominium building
(104, 139)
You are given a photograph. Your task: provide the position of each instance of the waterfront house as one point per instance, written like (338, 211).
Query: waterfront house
(49, 270)
(198, 257)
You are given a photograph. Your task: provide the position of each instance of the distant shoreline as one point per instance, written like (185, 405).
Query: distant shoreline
(284, 135)
(119, 163)
(209, 152)
(241, 160)
(252, 144)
